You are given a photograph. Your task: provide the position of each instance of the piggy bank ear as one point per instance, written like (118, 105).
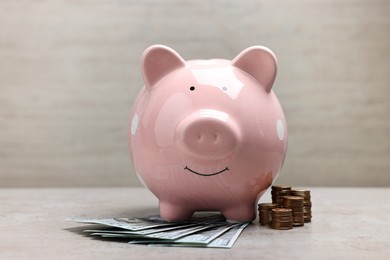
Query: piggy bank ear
(157, 61)
(260, 63)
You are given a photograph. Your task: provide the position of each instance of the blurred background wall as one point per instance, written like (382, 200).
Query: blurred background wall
(69, 72)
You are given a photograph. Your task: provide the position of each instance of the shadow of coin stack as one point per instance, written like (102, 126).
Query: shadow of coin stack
(289, 207)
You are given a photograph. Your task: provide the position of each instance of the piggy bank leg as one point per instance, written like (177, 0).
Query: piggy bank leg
(170, 212)
(240, 213)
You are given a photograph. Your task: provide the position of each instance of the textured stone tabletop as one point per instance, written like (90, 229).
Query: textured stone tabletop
(348, 223)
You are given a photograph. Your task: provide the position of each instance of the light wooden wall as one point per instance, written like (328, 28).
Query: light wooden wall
(69, 71)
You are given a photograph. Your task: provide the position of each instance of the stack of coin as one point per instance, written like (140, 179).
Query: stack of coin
(281, 218)
(295, 203)
(265, 217)
(305, 194)
(278, 192)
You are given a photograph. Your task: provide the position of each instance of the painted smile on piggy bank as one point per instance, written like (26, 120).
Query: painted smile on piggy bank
(205, 174)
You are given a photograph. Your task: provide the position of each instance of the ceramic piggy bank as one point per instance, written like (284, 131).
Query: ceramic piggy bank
(207, 134)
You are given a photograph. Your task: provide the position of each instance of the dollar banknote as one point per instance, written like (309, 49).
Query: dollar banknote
(200, 231)
(225, 240)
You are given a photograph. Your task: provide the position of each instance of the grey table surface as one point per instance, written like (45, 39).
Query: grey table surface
(348, 223)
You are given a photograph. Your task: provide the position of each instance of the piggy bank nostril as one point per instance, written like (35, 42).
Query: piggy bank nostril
(207, 138)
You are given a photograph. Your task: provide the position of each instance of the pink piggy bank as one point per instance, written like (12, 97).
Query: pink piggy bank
(207, 134)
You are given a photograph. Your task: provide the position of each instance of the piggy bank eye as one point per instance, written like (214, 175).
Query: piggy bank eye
(192, 88)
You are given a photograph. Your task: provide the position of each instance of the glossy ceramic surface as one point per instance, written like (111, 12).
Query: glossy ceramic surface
(207, 134)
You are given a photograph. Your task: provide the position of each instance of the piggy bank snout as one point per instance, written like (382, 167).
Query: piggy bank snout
(209, 135)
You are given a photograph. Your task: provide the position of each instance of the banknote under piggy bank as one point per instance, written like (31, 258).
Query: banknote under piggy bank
(207, 134)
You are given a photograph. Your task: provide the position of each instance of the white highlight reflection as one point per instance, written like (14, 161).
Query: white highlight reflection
(214, 114)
